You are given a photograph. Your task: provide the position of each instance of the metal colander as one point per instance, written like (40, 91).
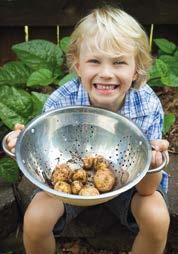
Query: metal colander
(71, 133)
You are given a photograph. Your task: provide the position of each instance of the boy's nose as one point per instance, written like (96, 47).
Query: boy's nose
(106, 72)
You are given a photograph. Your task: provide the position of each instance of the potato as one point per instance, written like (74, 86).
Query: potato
(76, 186)
(63, 186)
(88, 190)
(104, 180)
(62, 172)
(80, 175)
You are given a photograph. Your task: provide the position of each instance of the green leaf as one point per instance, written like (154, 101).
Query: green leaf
(171, 80)
(14, 73)
(171, 62)
(57, 74)
(167, 78)
(42, 77)
(16, 99)
(165, 45)
(3, 130)
(10, 117)
(66, 78)
(64, 43)
(155, 83)
(41, 97)
(9, 170)
(15, 106)
(37, 54)
(161, 68)
(176, 53)
(154, 73)
(169, 120)
(38, 102)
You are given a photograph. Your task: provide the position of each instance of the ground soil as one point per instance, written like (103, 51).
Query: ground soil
(169, 100)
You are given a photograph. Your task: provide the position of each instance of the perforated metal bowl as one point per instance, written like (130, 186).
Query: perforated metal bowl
(77, 131)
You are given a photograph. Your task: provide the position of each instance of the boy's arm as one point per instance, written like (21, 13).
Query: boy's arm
(148, 185)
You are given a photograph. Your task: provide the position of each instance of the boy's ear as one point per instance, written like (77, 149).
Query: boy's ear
(77, 69)
(135, 76)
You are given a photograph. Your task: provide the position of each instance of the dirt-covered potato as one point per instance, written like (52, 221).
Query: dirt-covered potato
(76, 186)
(62, 172)
(80, 175)
(100, 163)
(104, 180)
(88, 190)
(62, 186)
(88, 162)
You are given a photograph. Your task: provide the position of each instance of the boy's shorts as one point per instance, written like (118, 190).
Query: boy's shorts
(120, 206)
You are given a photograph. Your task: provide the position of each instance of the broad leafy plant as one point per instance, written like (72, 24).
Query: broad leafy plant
(40, 67)
(25, 85)
(164, 73)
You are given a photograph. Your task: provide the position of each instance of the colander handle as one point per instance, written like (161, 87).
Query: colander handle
(4, 146)
(165, 162)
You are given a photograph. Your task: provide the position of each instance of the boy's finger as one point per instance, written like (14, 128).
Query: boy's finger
(13, 150)
(13, 135)
(12, 143)
(19, 126)
(160, 144)
(153, 162)
(158, 159)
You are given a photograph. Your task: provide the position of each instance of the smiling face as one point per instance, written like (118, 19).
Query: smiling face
(106, 79)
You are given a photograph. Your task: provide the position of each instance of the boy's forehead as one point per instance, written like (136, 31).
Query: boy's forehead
(89, 48)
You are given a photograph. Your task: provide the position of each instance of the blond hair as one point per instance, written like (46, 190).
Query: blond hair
(114, 32)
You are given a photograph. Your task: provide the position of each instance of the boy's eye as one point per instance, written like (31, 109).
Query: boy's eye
(119, 62)
(93, 61)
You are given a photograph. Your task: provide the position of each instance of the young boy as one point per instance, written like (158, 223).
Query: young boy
(109, 52)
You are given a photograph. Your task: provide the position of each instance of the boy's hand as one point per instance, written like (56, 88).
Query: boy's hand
(159, 146)
(12, 138)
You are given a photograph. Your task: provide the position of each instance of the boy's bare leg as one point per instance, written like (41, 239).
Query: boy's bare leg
(39, 220)
(152, 217)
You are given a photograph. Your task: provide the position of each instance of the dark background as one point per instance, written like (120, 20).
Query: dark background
(42, 17)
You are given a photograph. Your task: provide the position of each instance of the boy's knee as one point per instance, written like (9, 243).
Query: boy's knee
(154, 219)
(35, 223)
(156, 222)
(38, 222)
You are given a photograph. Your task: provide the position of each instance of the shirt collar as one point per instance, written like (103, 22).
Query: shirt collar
(82, 96)
(135, 104)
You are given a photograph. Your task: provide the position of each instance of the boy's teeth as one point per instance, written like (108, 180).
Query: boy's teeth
(105, 87)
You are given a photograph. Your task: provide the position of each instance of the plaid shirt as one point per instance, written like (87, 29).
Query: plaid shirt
(141, 106)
